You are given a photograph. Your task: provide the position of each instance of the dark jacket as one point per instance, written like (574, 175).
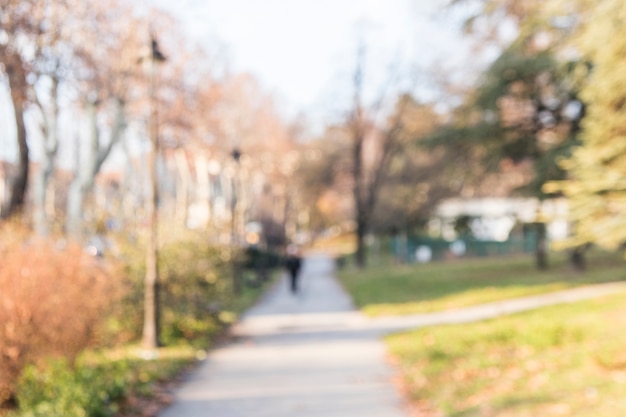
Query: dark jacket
(293, 263)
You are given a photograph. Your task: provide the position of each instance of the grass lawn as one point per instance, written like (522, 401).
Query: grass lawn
(420, 288)
(566, 360)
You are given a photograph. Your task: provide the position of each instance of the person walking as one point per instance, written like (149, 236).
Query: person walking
(293, 263)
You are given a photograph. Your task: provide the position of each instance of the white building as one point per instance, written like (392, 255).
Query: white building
(495, 218)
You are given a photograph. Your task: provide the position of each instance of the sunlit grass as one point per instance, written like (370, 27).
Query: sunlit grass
(563, 360)
(420, 288)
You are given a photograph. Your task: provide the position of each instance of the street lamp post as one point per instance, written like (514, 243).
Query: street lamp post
(236, 154)
(150, 336)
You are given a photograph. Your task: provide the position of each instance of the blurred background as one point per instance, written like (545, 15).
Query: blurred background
(188, 144)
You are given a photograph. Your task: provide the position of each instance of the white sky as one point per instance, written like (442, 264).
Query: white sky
(304, 50)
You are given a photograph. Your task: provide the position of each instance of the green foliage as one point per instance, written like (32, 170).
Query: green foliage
(255, 258)
(196, 287)
(549, 168)
(63, 391)
(98, 387)
(196, 279)
(196, 283)
(513, 67)
(597, 169)
(565, 360)
(409, 289)
(518, 114)
(528, 93)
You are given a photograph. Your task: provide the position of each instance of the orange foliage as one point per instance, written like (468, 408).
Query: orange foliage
(53, 297)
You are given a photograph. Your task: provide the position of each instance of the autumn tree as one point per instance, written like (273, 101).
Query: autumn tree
(420, 176)
(373, 144)
(324, 181)
(105, 88)
(250, 123)
(53, 74)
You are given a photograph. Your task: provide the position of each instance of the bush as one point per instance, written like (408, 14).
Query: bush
(63, 391)
(119, 383)
(195, 286)
(255, 258)
(197, 282)
(52, 302)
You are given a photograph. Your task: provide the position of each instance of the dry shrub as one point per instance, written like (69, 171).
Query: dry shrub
(53, 298)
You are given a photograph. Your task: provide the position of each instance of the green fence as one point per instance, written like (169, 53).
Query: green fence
(414, 249)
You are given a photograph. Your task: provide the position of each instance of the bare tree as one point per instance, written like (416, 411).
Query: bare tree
(372, 148)
(18, 26)
(105, 88)
(52, 71)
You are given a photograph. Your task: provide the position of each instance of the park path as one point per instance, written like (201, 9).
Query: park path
(306, 355)
(314, 355)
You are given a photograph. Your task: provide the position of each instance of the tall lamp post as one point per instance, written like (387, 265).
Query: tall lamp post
(236, 154)
(150, 336)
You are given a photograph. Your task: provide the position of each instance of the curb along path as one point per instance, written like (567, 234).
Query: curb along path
(313, 354)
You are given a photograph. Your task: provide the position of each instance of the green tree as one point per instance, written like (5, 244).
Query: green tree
(523, 110)
(596, 189)
(526, 108)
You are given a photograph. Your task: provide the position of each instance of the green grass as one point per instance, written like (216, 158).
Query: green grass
(562, 360)
(421, 288)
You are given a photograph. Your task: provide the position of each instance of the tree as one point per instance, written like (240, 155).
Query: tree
(526, 106)
(418, 177)
(19, 23)
(524, 102)
(55, 76)
(323, 182)
(105, 88)
(596, 189)
(372, 148)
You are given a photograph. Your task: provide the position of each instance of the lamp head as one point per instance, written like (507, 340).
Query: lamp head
(236, 154)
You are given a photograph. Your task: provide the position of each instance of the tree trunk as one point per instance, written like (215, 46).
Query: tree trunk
(19, 184)
(358, 191)
(89, 164)
(131, 189)
(48, 153)
(361, 255)
(40, 187)
(578, 259)
(541, 248)
(84, 178)
(202, 190)
(183, 184)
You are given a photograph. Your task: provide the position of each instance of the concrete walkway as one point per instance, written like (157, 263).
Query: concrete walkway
(303, 356)
(314, 355)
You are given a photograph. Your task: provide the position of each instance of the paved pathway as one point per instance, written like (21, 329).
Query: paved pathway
(296, 356)
(314, 355)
